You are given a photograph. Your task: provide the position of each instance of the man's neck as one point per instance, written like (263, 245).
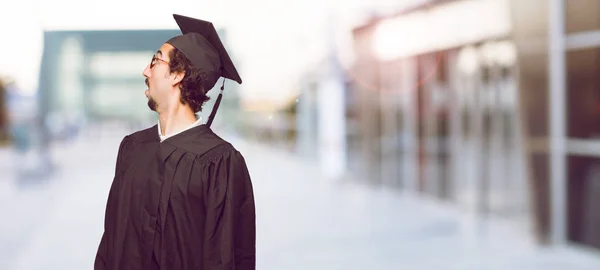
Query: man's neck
(174, 120)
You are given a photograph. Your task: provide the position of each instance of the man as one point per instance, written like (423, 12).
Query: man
(181, 197)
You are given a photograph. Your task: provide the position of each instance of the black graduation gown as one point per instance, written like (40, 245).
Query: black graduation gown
(185, 203)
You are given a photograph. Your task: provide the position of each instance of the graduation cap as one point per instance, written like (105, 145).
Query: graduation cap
(201, 45)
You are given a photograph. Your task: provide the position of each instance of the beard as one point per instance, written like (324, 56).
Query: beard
(152, 104)
(151, 101)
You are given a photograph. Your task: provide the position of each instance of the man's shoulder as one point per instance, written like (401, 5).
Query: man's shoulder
(207, 143)
(225, 148)
(147, 134)
(130, 140)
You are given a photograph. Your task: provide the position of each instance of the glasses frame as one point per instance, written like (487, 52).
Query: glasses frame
(155, 60)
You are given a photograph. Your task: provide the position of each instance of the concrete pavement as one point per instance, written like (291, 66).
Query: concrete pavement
(304, 221)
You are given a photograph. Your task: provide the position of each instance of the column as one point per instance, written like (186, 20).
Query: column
(556, 109)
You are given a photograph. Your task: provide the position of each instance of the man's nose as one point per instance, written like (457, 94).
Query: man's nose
(146, 72)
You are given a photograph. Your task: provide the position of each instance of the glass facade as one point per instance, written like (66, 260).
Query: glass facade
(583, 121)
(583, 93)
(581, 16)
(471, 124)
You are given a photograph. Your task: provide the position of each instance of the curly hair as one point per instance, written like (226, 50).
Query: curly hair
(192, 90)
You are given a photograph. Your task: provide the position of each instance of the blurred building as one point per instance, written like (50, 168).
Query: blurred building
(96, 75)
(491, 105)
(4, 131)
(438, 108)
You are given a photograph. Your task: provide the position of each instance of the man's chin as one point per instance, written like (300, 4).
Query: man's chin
(151, 104)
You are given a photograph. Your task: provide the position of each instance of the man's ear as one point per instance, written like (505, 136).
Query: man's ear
(177, 77)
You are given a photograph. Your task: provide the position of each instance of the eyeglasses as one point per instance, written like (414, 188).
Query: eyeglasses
(155, 61)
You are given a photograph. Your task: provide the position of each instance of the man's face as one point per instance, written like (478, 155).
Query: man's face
(158, 78)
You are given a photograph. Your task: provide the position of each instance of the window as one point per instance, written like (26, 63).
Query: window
(583, 93)
(582, 15)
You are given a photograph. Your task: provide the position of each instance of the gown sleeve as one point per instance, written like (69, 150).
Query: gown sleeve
(230, 228)
(101, 260)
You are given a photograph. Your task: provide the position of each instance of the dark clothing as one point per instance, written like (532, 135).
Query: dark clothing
(185, 203)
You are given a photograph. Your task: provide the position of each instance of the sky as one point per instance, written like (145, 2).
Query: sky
(273, 40)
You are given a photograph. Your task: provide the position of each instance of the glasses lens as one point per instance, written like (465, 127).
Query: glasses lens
(153, 61)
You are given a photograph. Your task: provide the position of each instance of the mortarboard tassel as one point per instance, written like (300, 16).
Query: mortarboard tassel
(217, 103)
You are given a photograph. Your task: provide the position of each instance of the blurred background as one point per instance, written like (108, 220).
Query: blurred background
(381, 134)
